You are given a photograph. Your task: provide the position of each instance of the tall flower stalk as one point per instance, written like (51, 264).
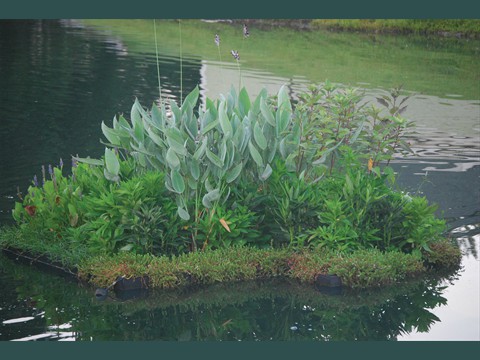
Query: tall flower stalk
(236, 56)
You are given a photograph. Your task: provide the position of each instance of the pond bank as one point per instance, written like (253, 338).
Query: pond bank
(460, 28)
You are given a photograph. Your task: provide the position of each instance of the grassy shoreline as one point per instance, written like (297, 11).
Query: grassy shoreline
(460, 28)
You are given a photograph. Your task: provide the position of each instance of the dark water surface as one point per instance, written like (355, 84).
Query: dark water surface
(60, 79)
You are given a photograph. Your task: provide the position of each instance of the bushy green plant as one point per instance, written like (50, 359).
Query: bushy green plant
(134, 214)
(264, 172)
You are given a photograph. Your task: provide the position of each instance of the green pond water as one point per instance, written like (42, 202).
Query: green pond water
(61, 78)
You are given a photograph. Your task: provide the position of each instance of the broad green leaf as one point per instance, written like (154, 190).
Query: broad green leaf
(176, 112)
(135, 114)
(255, 109)
(172, 159)
(192, 184)
(284, 99)
(138, 132)
(177, 181)
(244, 102)
(184, 215)
(109, 176)
(282, 121)
(191, 126)
(224, 121)
(208, 186)
(158, 119)
(110, 134)
(233, 173)
(178, 147)
(259, 137)
(222, 150)
(266, 173)
(111, 162)
(272, 151)
(191, 98)
(195, 168)
(210, 126)
(123, 123)
(255, 154)
(156, 138)
(214, 159)
(210, 106)
(201, 150)
(89, 161)
(210, 197)
(267, 113)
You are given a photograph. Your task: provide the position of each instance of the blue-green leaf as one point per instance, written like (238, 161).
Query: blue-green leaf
(111, 162)
(259, 137)
(210, 126)
(195, 168)
(266, 173)
(172, 159)
(110, 134)
(184, 215)
(214, 159)
(210, 197)
(267, 113)
(201, 150)
(284, 99)
(244, 102)
(177, 181)
(233, 173)
(224, 121)
(191, 98)
(89, 161)
(255, 154)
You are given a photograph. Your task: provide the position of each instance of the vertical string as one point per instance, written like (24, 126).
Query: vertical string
(158, 64)
(181, 65)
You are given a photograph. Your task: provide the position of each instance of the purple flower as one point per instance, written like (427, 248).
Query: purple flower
(235, 54)
(245, 31)
(35, 181)
(217, 40)
(74, 162)
(50, 170)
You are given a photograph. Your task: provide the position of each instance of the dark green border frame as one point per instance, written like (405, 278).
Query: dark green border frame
(98, 9)
(242, 350)
(102, 9)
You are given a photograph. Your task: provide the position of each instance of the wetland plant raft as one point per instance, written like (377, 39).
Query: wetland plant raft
(236, 189)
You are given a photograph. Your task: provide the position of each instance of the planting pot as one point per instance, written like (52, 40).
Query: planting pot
(328, 281)
(124, 284)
